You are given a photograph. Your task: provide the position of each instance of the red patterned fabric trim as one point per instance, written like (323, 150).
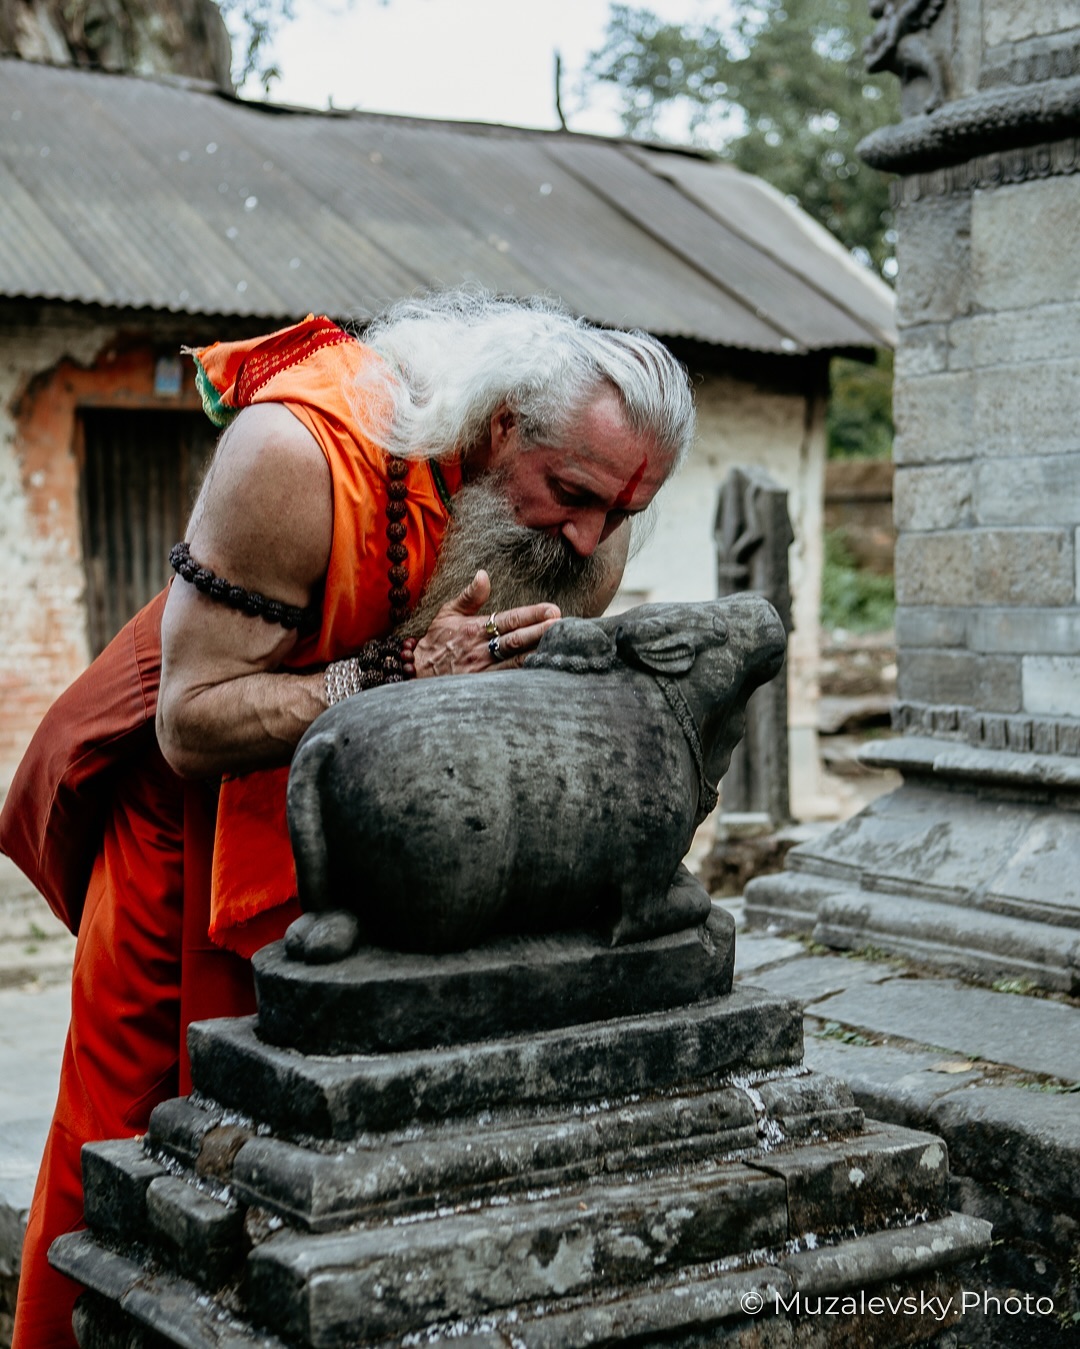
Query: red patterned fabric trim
(278, 353)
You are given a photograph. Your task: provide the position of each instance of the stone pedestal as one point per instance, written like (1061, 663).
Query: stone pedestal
(970, 863)
(542, 1142)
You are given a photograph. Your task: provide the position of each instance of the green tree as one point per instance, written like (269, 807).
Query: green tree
(858, 424)
(781, 93)
(251, 25)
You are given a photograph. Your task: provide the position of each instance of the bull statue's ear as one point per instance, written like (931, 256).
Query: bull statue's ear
(656, 649)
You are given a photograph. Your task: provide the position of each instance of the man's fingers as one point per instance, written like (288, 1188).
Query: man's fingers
(513, 620)
(520, 641)
(473, 597)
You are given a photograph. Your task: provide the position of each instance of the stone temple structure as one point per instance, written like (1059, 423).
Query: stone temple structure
(544, 1139)
(972, 862)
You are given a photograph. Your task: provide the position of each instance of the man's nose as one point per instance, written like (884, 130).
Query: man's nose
(584, 530)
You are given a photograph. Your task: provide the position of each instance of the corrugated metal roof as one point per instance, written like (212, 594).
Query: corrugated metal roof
(126, 192)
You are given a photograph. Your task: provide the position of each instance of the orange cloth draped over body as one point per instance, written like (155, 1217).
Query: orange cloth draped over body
(173, 885)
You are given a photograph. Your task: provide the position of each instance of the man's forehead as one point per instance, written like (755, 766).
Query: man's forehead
(626, 495)
(627, 472)
(629, 459)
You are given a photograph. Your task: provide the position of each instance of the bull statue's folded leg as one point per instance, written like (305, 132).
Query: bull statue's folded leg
(685, 904)
(320, 935)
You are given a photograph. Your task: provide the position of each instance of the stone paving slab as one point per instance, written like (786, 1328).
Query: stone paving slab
(1031, 1034)
(813, 978)
(1028, 1140)
(37, 963)
(755, 951)
(890, 1083)
(34, 943)
(33, 1023)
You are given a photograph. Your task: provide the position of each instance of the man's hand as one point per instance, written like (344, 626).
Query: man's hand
(458, 641)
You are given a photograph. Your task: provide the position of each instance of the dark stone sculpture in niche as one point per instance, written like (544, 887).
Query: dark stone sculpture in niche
(753, 534)
(899, 43)
(431, 816)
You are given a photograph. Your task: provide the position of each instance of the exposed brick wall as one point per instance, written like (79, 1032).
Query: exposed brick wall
(54, 364)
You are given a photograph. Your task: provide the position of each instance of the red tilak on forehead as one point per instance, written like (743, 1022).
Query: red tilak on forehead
(627, 494)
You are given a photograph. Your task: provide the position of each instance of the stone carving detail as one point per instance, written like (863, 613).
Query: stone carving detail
(544, 1140)
(899, 43)
(561, 796)
(998, 120)
(1030, 65)
(989, 730)
(1022, 165)
(753, 534)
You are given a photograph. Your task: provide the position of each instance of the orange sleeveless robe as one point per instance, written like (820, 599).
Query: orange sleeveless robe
(185, 883)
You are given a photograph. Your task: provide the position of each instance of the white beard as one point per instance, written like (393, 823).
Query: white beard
(526, 566)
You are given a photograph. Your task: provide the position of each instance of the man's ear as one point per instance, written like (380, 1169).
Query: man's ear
(503, 422)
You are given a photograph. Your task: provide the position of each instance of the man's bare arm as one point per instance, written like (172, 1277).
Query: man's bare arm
(264, 520)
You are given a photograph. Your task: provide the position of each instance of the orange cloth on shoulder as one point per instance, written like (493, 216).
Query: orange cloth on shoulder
(315, 370)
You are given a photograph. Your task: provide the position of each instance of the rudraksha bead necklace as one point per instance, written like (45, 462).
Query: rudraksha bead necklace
(397, 552)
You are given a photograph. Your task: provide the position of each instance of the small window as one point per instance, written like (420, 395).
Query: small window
(141, 473)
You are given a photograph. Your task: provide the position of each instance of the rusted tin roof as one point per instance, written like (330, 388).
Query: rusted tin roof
(126, 192)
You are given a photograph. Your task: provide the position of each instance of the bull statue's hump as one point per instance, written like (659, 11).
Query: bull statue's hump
(433, 815)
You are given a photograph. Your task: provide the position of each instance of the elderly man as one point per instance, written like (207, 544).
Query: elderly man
(507, 440)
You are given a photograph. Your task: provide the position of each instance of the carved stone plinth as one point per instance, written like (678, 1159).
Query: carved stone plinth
(544, 1142)
(970, 865)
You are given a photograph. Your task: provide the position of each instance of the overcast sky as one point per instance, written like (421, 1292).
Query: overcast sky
(467, 60)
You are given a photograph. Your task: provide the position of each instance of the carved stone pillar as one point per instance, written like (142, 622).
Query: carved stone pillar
(972, 861)
(753, 534)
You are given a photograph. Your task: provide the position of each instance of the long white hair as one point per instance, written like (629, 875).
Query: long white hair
(454, 357)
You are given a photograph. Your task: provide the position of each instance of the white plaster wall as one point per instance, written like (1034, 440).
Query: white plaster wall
(741, 423)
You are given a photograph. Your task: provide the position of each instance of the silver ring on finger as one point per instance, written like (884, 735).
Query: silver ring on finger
(497, 653)
(492, 628)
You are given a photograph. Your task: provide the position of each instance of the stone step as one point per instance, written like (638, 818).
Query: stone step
(455, 1163)
(388, 1279)
(950, 935)
(116, 1176)
(379, 1001)
(126, 1300)
(321, 1192)
(972, 849)
(463, 1160)
(341, 1097)
(760, 1302)
(391, 1280)
(200, 1233)
(787, 900)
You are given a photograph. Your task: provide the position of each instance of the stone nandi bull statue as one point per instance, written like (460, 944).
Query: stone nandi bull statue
(429, 816)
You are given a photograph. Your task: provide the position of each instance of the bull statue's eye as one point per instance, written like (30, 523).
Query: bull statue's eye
(719, 627)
